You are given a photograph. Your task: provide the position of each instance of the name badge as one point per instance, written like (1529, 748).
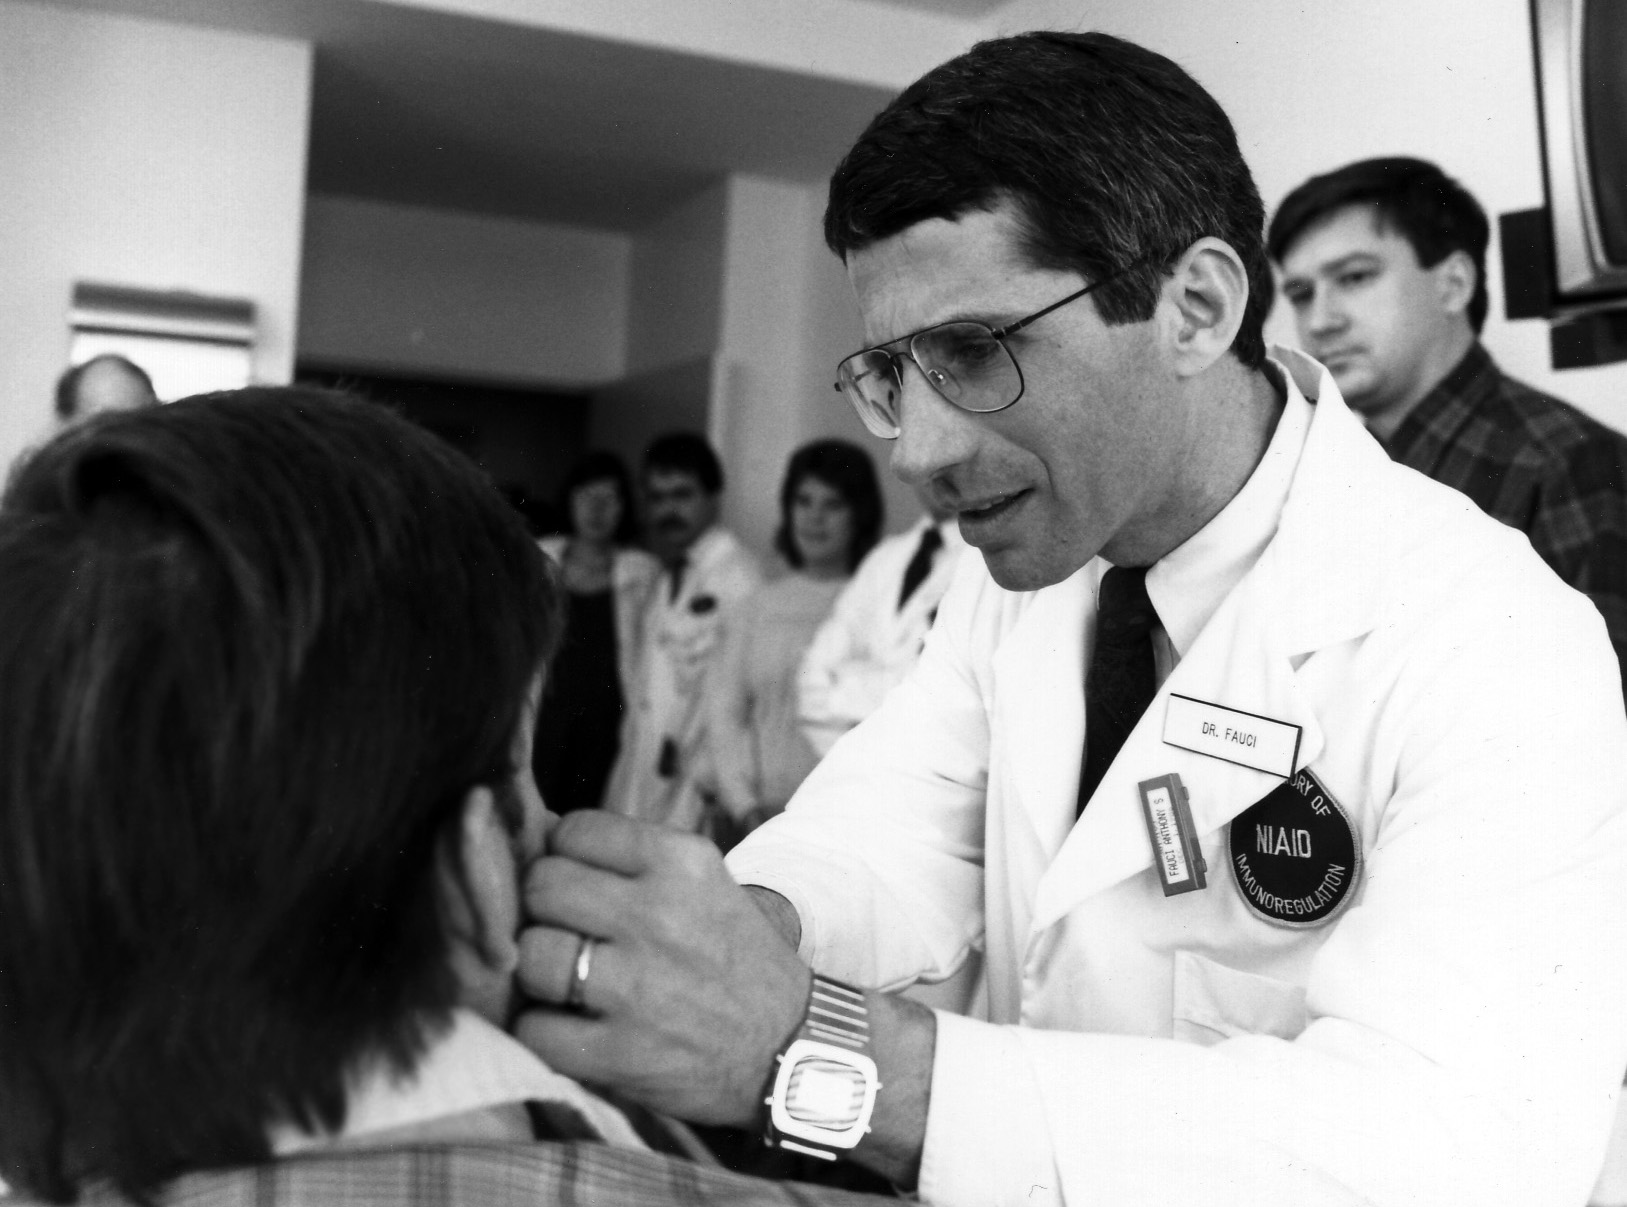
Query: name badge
(1244, 738)
(1175, 850)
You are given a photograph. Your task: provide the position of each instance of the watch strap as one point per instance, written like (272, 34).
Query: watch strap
(836, 1016)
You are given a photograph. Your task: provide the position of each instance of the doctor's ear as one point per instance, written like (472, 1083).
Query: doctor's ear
(1203, 300)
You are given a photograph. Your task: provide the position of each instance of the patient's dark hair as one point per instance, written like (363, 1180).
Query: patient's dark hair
(255, 648)
(1115, 159)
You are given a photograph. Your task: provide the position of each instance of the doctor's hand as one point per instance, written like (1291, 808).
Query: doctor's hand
(689, 989)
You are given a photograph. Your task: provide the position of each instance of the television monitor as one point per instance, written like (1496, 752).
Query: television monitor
(1581, 59)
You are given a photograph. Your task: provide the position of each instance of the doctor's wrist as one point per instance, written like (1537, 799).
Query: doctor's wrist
(904, 1041)
(780, 913)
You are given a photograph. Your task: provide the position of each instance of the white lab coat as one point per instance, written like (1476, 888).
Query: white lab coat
(1455, 1035)
(680, 638)
(868, 643)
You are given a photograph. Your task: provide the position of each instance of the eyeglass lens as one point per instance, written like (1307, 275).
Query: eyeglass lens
(961, 361)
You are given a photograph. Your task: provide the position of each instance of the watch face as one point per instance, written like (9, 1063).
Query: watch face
(824, 1093)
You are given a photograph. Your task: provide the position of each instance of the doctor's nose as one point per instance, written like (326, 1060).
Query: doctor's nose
(934, 435)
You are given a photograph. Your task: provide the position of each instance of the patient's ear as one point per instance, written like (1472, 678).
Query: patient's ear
(480, 896)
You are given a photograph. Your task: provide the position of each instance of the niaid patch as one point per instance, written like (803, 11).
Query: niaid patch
(1294, 854)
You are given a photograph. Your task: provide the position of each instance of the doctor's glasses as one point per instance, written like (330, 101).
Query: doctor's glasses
(967, 363)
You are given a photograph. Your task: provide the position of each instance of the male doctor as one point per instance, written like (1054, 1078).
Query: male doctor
(1282, 788)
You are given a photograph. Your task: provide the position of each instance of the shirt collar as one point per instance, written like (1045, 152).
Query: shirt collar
(468, 1072)
(1188, 584)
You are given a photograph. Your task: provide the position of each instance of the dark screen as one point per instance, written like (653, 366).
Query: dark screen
(1604, 102)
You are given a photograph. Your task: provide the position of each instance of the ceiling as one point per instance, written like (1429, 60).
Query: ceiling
(966, 10)
(566, 129)
(420, 106)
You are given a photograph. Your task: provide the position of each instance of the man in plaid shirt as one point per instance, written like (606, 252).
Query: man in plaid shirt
(269, 666)
(1383, 264)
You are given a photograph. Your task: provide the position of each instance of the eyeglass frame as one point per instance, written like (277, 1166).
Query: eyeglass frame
(997, 334)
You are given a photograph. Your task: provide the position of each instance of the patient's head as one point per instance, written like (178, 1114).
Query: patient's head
(266, 665)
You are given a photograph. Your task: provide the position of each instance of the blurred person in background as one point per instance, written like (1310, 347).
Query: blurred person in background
(830, 516)
(103, 383)
(705, 572)
(268, 664)
(877, 627)
(607, 588)
(1383, 264)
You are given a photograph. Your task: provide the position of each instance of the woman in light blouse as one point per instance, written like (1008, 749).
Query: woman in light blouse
(830, 516)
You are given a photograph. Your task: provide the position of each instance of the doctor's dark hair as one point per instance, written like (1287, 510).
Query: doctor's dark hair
(255, 649)
(847, 469)
(1413, 197)
(1112, 155)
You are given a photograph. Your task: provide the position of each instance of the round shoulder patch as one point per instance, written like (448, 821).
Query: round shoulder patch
(1294, 853)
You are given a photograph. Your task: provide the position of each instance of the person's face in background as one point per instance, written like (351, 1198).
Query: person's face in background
(821, 527)
(596, 511)
(109, 386)
(678, 509)
(1386, 327)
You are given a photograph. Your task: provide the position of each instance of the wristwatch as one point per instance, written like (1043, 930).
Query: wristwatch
(826, 1083)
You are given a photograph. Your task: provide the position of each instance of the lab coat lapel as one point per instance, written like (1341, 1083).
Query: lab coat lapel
(1298, 598)
(1237, 663)
(1041, 710)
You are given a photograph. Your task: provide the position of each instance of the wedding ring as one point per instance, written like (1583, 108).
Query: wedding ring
(576, 993)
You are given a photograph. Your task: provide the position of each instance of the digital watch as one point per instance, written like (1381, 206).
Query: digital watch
(825, 1085)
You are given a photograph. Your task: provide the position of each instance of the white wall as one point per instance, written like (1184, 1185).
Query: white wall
(141, 153)
(675, 297)
(738, 277)
(869, 43)
(398, 289)
(1312, 86)
(791, 318)
(834, 330)
(788, 317)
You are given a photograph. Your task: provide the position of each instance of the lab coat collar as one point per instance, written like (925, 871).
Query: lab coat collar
(1318, 583)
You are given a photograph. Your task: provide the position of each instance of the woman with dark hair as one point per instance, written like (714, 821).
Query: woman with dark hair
(606, 583)
(830, 516)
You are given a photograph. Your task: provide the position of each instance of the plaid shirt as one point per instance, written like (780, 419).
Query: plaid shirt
(542, 1174)
(1536, 464)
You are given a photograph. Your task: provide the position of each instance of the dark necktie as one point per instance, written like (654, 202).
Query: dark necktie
(920, 564)
(677, 571)
(1122, 680)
